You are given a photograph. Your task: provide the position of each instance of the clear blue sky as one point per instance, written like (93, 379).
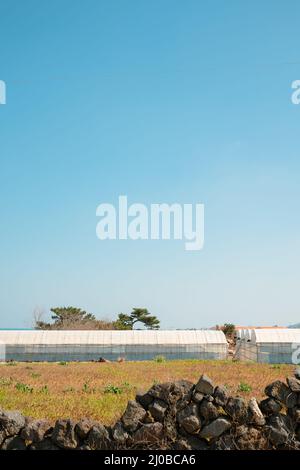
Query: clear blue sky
(165, 101)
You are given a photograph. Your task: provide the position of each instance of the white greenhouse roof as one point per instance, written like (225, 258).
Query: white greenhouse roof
(284, 335)
(112, 337)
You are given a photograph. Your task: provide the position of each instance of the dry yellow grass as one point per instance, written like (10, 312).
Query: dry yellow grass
(101, 390)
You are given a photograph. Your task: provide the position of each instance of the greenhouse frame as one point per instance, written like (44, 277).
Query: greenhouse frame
(278, 346)
(91, 345)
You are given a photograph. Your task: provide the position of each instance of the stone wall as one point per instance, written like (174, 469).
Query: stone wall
(178, 415)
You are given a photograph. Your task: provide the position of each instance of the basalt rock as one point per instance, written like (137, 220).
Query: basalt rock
(216, 428)
(64, 435)
(158, 409)
(191, 443)
(148, 433)
(133, 416)
(236, 408)
(119, 434)
(197, 397)
(277, 390)
(208, 410)
(11, 423)
(177, 415)
(98, 438)
(189, 419)
(144, 399)
(14, 443)
(35, 430)
(83, 427)
(221, 395)
(270, 406)
(255, 415)
(294, 384)
(205, 385)
(45, 444)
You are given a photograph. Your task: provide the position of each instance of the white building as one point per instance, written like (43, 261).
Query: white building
(89, 345)
(269, 345)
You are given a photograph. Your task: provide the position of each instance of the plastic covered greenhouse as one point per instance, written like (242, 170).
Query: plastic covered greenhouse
(131, 345)
(278, 346)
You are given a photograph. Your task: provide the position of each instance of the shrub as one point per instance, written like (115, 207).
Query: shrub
(159, 359)
(113, 389)
(24, 388)
(126, 386)
(5, 382)
(244, 387)
(35, 375)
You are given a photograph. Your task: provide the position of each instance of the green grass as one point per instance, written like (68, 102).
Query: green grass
(101, 390)
(244, 387)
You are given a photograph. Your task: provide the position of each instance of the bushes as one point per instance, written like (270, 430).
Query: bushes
(159, 359)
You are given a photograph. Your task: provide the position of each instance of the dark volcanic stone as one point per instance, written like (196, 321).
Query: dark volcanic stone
(220, 395)
(150, 433)
(208, 410)
(158, 409)
(144, 399)
(133, 416)
(13, 443)
(11, 423)
(277, 390)
(215, 428)
(191, 443)
(189, 419)
(205, 385)
(294, 384)
(83, 427)
(119, 433)
(64, 434)
(270, 406)
(237, 409)
(197, 397)
(46, 444)
(35, 430)
(98, 438)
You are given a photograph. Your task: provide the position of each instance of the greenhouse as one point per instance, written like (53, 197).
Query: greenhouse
(91, 345)
(275, 346)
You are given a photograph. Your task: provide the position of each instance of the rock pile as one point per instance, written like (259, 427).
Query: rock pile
(177, 415)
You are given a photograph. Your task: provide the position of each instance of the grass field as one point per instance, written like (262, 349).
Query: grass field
(101, 390)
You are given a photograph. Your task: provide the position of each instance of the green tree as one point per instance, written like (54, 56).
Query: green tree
(67, 315)
(228, 329)
(123, 322)
(72, 318)
(138, 315)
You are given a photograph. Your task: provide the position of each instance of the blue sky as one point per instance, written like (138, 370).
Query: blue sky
(164, 101)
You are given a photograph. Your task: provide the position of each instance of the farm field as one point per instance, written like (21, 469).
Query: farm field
(101, 390)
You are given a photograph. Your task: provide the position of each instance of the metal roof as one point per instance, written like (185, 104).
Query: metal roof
(287, 335)
(116, 337)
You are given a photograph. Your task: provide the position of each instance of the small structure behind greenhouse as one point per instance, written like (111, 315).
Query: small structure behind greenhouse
(131, 345)
(274, 346)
